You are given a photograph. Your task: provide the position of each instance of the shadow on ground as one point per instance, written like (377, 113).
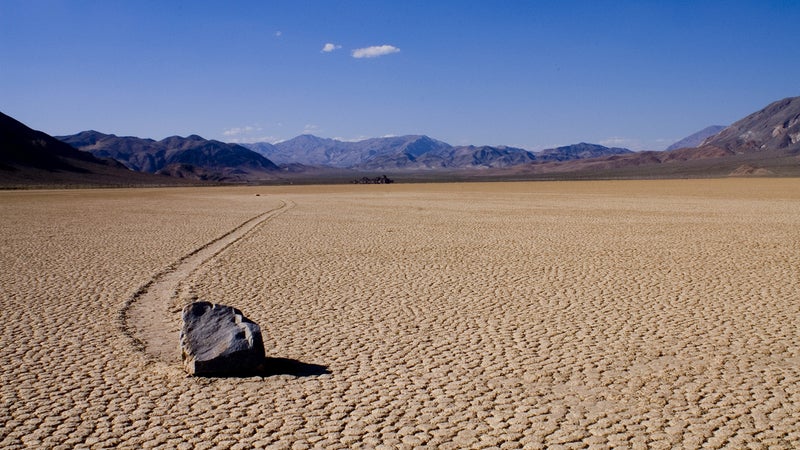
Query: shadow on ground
(276, 366)
(286, 366)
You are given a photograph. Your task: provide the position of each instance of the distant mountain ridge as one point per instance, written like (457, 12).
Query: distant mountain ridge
(695, 139)
(415, 152)
(316, 151)
(579, 151)
(196, 157)
(766, 142)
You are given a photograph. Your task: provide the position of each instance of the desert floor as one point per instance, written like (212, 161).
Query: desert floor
(641, 314)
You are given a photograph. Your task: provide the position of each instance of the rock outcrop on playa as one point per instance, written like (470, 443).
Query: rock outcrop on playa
(746, 170)
(217, 340)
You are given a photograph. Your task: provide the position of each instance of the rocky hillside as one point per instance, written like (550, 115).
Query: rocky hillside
(776, 127)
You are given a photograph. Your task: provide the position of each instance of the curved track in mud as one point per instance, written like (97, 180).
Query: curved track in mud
(147, 317)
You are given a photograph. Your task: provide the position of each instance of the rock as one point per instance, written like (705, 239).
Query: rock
(217, 340)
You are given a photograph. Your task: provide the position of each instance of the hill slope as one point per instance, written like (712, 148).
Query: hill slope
(776, 127)
(20, 146)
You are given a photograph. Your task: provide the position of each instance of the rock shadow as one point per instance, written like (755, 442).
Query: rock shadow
(286, 366)
(277, 366)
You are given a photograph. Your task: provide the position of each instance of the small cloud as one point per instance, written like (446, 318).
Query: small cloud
(374, 51)
(278, 34)
(635, 144)
(616, 141)
(351, 139)
(238, 131)
(253, 140)
(310, 128)
(246, 135)
(329, 47)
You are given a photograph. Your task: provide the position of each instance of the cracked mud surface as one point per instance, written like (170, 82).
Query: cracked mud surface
(652, 314)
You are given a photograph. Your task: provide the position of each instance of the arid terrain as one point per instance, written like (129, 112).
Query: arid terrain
(595, 314)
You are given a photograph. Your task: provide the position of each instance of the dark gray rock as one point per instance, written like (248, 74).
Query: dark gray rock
(217, 340)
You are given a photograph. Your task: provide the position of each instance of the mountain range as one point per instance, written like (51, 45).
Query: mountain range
(191, 157)
(415, 152)
(198, 158)
(766, 142)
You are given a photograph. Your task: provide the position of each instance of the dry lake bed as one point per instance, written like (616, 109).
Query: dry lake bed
(618, 314)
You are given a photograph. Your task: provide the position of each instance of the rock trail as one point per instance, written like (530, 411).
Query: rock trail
(150, 317)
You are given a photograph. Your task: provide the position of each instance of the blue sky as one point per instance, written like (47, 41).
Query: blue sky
(531, 74)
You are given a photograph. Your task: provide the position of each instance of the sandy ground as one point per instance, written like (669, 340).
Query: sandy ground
(638, 314)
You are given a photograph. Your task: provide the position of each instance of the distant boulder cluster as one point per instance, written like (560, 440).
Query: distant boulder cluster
(377, 180)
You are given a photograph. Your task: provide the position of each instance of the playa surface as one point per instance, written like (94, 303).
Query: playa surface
(638, 314)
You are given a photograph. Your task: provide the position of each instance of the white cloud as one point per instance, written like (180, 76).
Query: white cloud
(629, 143)
(374, 51)
(253, 140)
(617, 141)
(278, 34)
(238, 131)
(247, 134)
(636, 144)
(350, 139)
(310, 128)
(329, 47)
